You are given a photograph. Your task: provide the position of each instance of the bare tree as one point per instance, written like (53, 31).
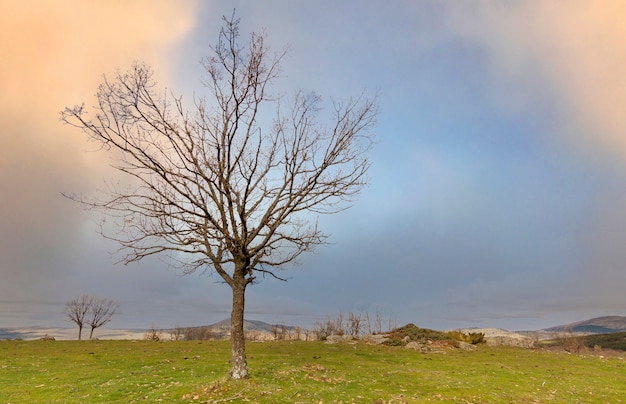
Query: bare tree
(90, 310)
(297, 333)
(177, 333)
(222, 187)
(77, 311)
(153, 334)
(355, 324)
(100, 313)
(378, 321)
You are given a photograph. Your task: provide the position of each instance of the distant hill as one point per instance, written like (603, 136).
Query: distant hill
(31, 333)
(15, 333)
(248, 325)
(598, 325)
(257, 330)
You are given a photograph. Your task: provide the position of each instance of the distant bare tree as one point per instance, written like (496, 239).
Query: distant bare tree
(569, 341)
(224, 187)
(77, 310)
(339, 327)
(177, 333)
(100, 313)
(90, 310)
(331, 326)
(297, 333)
(153, 334)
(280, 332)
(355, 323)
(378, 321)
(323, 329)
(275, 331)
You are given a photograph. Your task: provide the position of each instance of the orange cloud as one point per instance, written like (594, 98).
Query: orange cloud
(574, 49)
(53, 55)
(56, 51)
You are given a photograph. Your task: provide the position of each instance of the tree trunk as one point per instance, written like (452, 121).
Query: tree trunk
(91, 332)
(237, 337)
(80, 331)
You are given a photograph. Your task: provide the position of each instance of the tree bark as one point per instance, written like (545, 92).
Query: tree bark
(80, 331)
(239, 362)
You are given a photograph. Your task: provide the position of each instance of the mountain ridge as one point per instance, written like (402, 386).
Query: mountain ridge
(596, 325)
(249, 325)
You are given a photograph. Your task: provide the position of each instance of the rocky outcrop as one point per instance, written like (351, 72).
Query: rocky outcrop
(465, 346)
(375, 339)
(497, 336)
(333, 339)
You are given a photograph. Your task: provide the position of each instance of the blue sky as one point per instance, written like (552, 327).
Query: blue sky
(497, 189)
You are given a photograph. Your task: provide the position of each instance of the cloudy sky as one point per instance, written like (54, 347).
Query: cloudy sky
(498, 187)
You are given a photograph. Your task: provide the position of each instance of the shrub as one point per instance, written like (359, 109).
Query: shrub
(153, 334)
(398, 336)
(471, 338)
(477, 337)
(571, 343)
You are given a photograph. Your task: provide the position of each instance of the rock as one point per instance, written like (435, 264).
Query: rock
(424, 347)
(497, 336)
(417, 346)
(465, 346)
(333, 339)
(375, 339)
(519, 341)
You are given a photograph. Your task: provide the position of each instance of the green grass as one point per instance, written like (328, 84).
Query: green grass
(305, 372)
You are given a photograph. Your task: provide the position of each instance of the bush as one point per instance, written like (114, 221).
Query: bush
(616, 341)
(476, 337)
(471, 338)
(153, 334)
(399, 336)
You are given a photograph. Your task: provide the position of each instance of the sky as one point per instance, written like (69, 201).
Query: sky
(498, 180)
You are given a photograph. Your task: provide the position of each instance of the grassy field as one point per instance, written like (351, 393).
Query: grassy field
(300, 372)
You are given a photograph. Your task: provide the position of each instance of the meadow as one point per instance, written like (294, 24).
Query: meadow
(108, 371)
